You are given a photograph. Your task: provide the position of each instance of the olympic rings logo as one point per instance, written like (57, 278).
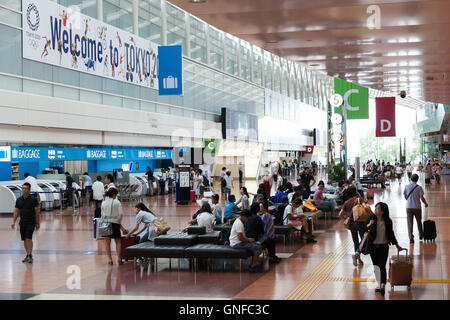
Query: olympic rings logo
(33, 43)
(32, 8)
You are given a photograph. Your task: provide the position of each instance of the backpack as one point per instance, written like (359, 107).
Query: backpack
(360, 213)
(278, 221)
(223, 183)
(206, 181)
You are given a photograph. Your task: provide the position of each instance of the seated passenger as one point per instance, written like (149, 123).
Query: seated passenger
(145, 216)
(238, 240)
(323, 203)
(216, 208)
(297, 221)
(268, 239)
(205, 208)
(230, 210)
(244, 199)
(254, 227)
(280, 194)
(206, 218)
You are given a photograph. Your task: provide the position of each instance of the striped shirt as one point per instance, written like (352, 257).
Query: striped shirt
(268, 225)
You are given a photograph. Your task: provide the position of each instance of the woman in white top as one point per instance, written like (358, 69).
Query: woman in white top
(112, 213)
(244, 199)
(409, 170)
(145, 216)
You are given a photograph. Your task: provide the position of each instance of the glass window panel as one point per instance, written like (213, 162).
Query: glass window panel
(276, 74)
(146, 106)
(10, 50)
(14, 4)
(268, 68)
(10, 17)
(198, 39)
(66, 93)
(35, 87)
(66, 76)
(216, 48)
(112, 100)
(10, 83)
(36, 70)
(91, 97)
(150, 22)
(176, 27)
(119, 14)
(131, 103)
(188, 113)
(257, 61)
(245, 60)
(162, 109)
(177, 112)
(87, 7)
(92, 82)
(231, 64)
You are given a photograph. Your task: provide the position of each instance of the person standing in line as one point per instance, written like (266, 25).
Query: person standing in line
(33, 182)
(27, 207)
(87, 184)
(69, 189)
(109, 182)
(98, 190)
(413, 194)
(112, 212)
(229, 184)
(150, 179)
(381, 232)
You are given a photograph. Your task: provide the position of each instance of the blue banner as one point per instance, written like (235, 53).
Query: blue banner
(55, 154)
(170, 69)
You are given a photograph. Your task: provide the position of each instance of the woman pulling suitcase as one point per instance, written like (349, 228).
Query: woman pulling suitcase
(380, 237)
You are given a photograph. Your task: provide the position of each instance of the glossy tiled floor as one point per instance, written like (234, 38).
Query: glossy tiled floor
(320, 271)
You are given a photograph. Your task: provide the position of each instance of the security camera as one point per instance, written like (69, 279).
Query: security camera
(403, 94)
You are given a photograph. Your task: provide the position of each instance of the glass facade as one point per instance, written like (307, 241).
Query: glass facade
(235, 78)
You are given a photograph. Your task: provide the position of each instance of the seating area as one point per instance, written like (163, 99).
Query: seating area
(193, 245)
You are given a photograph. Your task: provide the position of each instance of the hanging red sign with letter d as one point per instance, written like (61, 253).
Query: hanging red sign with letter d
(385, 117)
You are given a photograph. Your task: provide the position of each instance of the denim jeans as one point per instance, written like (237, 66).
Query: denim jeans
(356, 229)
(254, 247)
(227, 192)
(327, 204)
(144, 237)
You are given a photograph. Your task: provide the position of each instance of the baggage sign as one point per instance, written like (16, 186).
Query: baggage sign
(170, 70)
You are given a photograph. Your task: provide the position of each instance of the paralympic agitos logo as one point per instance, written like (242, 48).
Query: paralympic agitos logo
(33, 17)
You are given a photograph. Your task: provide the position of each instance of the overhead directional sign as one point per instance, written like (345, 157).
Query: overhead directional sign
(355, 99)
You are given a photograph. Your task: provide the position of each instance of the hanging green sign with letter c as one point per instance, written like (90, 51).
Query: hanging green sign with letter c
(356, 99)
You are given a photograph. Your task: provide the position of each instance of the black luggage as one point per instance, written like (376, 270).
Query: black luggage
(98, 212)
(429, 230)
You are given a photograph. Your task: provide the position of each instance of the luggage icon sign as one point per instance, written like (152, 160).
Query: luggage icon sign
(170, 83)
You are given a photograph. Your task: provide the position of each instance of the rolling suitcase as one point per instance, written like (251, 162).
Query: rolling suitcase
(96, 227)
(370, 193)
(400, 270)
(125, 243)
(192, 195)
(429, 230)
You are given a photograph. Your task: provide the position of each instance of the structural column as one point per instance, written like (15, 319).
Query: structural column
(100, 10)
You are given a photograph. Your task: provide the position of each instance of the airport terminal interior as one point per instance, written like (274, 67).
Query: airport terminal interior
(224, 150)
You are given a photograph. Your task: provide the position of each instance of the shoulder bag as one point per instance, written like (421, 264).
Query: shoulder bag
(162, 226)
(411, 191)
(105, 228)
(360, 213)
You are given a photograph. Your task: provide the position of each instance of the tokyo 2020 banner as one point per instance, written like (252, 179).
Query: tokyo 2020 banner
(63, 37)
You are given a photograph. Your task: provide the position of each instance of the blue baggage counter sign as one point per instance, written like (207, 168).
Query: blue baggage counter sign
(16, 153)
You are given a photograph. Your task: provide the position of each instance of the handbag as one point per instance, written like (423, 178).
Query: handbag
(310, 206)
(366, 244)
(162, 226)
(360, 213)
(104, 229)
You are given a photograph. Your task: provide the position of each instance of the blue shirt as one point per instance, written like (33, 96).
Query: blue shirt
(230, 209)
(87, 180)
(278, 196)
(413, 202)
(268, 225)
(254, 227)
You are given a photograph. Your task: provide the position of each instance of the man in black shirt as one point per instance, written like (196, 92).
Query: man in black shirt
(28, 209)
(69, 189)
(306, 178)
(150, 180)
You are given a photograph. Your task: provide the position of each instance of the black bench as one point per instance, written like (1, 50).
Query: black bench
(212, 251)
(213, 237)
(178, 239)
